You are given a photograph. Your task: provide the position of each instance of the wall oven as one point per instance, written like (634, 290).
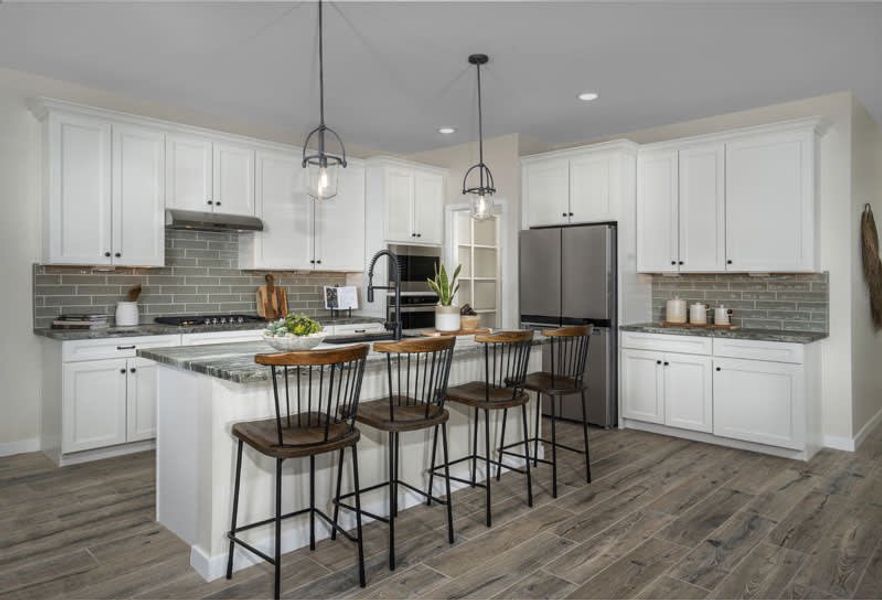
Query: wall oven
(418, 301)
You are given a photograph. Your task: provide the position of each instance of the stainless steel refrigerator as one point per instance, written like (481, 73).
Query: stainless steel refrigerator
(568, 277)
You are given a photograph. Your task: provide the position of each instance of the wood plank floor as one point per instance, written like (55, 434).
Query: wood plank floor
(664, 518)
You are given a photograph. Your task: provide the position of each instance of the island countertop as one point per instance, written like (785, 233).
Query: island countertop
(235, 361)
(767, 335)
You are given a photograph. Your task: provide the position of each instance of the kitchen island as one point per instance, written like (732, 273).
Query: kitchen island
(203, 390)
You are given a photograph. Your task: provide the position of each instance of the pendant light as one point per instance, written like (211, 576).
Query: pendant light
(322, 167)
(480, 173)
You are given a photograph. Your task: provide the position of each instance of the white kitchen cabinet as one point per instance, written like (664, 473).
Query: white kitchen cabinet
(93, 404)
(140, 400)
(138, 196)
(642, 386)
(188, 173)
(657, 211)
(770, 202)
(702, 208)
(77, 195)
(688, 391)
(759, 401)
(591, 179)
(399, 204)
(233, 183)
(340, 224)
(547, 186)
(428, 211)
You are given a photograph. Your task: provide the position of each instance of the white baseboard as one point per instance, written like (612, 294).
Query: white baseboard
(838, 442)
(76, 458)
(867, 429)
(20, 447)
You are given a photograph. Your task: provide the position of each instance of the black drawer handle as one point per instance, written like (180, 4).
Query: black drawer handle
(667, 363)
(728, 262)
(210, 202)
(673, 262)
(217, 203)
(571, 214)
(123, 371)
(719, 369)
(658, 362)
(107, 254)
(132, 347)
(118, 254)
(132, 370)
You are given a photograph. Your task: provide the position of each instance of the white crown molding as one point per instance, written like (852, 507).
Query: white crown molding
(389, 160)
(818, 125)
(621, 145)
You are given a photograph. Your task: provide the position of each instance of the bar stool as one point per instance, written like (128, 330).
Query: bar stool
(569, 354)
(417, 371)
(506, 357)
(328, 384)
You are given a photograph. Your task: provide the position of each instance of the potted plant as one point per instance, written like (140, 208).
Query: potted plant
(446, 313)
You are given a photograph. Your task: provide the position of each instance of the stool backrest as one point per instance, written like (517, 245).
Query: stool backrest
(569, 351)
(506, 357)
(417, 371)
(327, 385)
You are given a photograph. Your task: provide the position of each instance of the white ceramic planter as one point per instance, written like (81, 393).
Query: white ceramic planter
(447, 318)
(126, 314)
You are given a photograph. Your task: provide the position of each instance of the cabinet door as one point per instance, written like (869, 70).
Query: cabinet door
(702, 209)
(188, 173)
(399, 190)
(78, 213)
(141, 400)
(770, 203)
(547, 189)
(429, 207)
(657, 207)
(642, 386)
(590, 199)
(688, 391)
(286, 212)
(759, 401)
(233, 168)
(93, 404)
(340, 225)
(138, 196)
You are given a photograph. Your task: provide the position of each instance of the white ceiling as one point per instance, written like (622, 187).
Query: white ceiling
(396, 71)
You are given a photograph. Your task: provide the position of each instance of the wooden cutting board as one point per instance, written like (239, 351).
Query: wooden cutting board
(272, 300)
(436, 333)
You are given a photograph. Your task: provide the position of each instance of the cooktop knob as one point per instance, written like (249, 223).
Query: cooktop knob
(206, 321)
(240, 319)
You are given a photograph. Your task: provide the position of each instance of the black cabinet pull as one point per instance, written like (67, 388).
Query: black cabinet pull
(123, 371)
(117, 254)
(132, 347)
(680, 262)
(667, 363)
(571, 214)
(210, 202)
(419, 235)
(107, 254)
(658, 362)
(563, 214)
(728, 262)
(217, 203)
(318, 261)
(132, 370)
(719, 369)
(673, 262)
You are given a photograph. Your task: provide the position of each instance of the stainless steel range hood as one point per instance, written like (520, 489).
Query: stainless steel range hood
(202, 221)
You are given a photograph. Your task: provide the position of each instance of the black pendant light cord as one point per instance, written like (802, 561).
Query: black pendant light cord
(480, 127)
(486, 185)
(321, 139)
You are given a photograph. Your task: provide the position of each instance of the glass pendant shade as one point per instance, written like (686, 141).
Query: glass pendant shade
(481, 207)
(321, 181)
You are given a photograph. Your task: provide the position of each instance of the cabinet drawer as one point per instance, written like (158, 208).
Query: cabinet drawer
(356, 328)
(221, 337)
(666, 343)
(113, 347)
(759, 350)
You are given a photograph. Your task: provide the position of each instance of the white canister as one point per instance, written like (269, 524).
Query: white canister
(126, 314)
(447, 318)
(698, 313)
(675, 310)
(721, 315)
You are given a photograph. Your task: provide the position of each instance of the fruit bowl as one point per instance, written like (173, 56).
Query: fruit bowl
(294, 343)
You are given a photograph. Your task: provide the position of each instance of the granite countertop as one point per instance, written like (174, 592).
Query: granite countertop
(235, 361)
(156, 329)
(767, 335)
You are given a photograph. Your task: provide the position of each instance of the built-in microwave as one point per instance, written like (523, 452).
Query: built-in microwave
(417, 264)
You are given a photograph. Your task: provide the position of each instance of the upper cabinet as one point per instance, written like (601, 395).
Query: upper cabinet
(233, 168)
(582, 185)
(741, 201)
(410, 199)
(339, 224)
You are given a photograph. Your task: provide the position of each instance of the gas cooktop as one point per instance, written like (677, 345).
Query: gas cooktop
(191, 320)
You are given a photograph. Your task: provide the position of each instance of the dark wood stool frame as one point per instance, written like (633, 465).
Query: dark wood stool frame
(569, 355)
(327, 425)
(506, 358)
(417, 371)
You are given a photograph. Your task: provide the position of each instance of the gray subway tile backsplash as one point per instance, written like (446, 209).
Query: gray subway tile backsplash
(793, 301)
(201, 275)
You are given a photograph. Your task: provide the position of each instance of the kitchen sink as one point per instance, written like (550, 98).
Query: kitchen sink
(361, 338)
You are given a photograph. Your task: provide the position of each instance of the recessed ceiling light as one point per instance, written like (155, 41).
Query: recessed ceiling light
(588, 96)
(446, 130)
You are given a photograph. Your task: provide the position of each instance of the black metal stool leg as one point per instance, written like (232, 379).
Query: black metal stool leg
(487, 462)
(536, 432)
(585, 433)
(235, 508)
(553, 447)
(432, 467)
(312, 502)
(361, 578)
(446, 481)
(397, 468)
(527, 456)
(277, 586)
(393, 496)
(337, 503)
(475, 448)
(501, 444)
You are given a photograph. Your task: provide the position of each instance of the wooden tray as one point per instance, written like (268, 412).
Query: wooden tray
(697, 325)
(436, 333)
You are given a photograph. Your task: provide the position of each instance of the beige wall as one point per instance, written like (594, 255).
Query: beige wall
(866, 170)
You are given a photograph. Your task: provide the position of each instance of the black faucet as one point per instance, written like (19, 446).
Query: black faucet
(395, 272)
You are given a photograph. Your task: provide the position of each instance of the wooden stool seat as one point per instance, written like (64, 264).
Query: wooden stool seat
(297, 441)
(408, 415)
(553, 385)
(474, 393)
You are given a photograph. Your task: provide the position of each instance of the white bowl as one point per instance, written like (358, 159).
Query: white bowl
(293, 343)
